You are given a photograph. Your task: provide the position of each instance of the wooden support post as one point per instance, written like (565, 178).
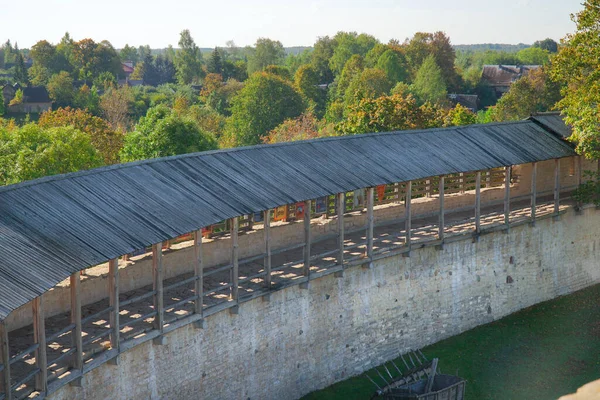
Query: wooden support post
(307, 243)
(533, 191)
(267, 258)
(556, 186)
(408, 219)
(461, 182)
(370, 223)
(478, 203)
(5, 358)
(113, 289)
(39, 337)
(428, 188)
(488, 178)
(157, 270)
(579, 170)
(199, 275)
(77, 362)
(506, 196)
(341, 205)
(441, 214)
(235, 272)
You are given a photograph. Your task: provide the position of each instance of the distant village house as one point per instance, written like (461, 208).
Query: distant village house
(35, 99)
(501, 77)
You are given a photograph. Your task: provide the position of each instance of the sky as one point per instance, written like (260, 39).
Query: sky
(294, 23)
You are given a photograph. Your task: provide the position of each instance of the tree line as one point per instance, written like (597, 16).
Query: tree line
(349, 83)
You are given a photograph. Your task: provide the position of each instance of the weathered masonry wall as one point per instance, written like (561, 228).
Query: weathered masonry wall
(137, 274)
(303, 340)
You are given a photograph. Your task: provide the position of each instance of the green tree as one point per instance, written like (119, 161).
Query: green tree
(60, 88)
(43, 54)
(187, 60)
(32, 152)
(322, 52)
(278, 70)
(20, 75)
(578, 65)
(2, 108)
(39, 75)
(459, 116)
(354, 66)
(346, 44)
(266, 52)
(215, 64)
(106, 141)
(394, 66)
(129, 53)
(161, 133)
(389, 113)
(438, 45)
(547, 44)
(265, 101)
(429, 83)
(371, 83)
(533, 56)
(305, 127)
(306, 81)
(18, 99)
(533, 93)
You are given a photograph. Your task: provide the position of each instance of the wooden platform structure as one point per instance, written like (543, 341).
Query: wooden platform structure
(53, 228)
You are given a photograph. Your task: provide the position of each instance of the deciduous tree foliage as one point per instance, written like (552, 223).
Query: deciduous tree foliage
(163, 132)
(114, 105)
(394, 65)
(60, 89)
(345, 45)
(105, 140)
(386, 113)
(578, 65)
(188, 60)
(266, 52)
(547, 44)
(397, 112)
(370, 83)
(31, 152)
(533, 56)
(533, 93)
(305, 127)
(265, 102)
(429, 84)
(306, 81)
(322, 52)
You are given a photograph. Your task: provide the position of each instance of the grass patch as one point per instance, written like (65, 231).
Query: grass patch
(540, 353)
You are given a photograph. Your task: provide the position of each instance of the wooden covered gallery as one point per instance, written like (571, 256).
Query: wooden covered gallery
(53, 228)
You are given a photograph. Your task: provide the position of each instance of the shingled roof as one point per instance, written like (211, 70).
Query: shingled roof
(53, 227)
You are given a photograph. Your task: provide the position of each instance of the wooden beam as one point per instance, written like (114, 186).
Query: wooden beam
(507, 196)
(461, 181)
(235, 273)
(5, 358)
(441, 213)
(198, 273)
(370, 223)
(113, 298)
(158, 274)
(39, 337)
(478, 202)
(556, 186)
(579, 170)
(307, 241)
(77, 362)
(533, 191)
(267, 259)
(408, 220)
(341, 208)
